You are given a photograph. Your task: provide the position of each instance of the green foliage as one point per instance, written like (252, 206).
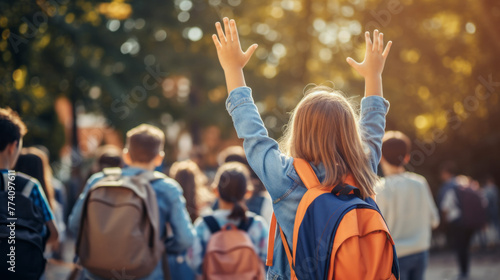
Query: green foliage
(99, 55)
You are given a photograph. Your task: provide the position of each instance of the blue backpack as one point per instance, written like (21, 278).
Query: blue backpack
(24, 253)
(337, 235)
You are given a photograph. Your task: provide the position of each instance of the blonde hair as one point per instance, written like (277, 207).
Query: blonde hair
(324, 129)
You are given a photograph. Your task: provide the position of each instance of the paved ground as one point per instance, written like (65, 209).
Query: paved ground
(442, 266)
(485, 265)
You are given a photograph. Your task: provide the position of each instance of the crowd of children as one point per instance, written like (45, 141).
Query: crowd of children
(269, 203)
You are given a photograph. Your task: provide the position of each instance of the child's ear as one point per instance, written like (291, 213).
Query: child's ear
(12, 147)
(248, 194)
(126, 157)
(216, 192)
(406, 159)
(159, 159)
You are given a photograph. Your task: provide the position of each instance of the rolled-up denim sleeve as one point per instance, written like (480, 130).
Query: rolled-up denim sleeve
(373, 112)
(262, 152)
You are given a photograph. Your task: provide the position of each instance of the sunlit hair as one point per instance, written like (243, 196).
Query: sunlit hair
(324, 129)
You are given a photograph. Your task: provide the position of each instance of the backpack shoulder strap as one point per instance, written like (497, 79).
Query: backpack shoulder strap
(28, 188)
(270, 246)
(306, 173)
(212, 224)
(152, 176)
(310, 180)
(244, 226)
(24, 183)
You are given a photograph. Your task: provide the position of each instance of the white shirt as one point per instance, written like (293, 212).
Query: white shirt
(407, 205)
(450, 206)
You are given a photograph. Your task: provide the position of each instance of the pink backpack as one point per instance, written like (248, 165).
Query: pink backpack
(230, 254)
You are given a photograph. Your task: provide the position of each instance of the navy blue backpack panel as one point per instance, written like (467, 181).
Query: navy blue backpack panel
(29, 226)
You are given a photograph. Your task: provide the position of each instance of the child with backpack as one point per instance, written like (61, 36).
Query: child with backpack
(121, 217)
(464, 209)
(231, 243)
(259, 202)
(26, 219)
(321, 180)
(411, 220)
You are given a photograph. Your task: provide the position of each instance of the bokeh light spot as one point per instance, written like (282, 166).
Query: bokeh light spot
(195, 34)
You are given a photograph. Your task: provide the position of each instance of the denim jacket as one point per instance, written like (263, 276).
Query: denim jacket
(173, 211)
(276, 170)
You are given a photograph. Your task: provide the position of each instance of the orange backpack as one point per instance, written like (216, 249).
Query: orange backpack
(336, 235)
(230, 253)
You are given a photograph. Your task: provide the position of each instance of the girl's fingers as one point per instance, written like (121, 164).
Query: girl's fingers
(375, 40)
(251, 50)
(368, 41)
(217, 44)
(352, 62)
(227, 29)
(381, 42)
(222, 37)
(387, 49)
(234, 30)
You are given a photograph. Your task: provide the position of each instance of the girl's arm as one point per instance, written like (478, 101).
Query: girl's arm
(262, 152)
(373, 107)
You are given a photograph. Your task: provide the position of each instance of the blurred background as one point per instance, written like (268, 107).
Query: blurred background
(81, 73)
(91, 70)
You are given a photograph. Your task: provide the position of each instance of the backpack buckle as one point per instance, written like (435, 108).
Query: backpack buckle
(346, 190)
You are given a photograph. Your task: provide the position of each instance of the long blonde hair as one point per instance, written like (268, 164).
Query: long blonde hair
(324, 129)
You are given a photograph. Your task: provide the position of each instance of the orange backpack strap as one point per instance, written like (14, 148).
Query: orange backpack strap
(288, 254)
(306, 173)
(270, 246)
(270, 242)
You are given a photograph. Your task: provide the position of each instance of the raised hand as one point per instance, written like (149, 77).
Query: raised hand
(231, 57)
(375, 56)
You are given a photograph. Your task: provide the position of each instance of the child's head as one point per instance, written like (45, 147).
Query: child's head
(237, 154)
(231, 154)
(108, 156)
(232, 181)
(12, 130)
(193, 183)
(396, 148)
(35, 163)
(448, 170)
(324, 129)
(144, 146)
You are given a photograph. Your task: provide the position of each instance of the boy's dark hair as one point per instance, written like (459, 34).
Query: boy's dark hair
(232, 180)
(108, 156)
(395, 146)
(144, 143)
(232, 154)
(237, 154)
(12, 128)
